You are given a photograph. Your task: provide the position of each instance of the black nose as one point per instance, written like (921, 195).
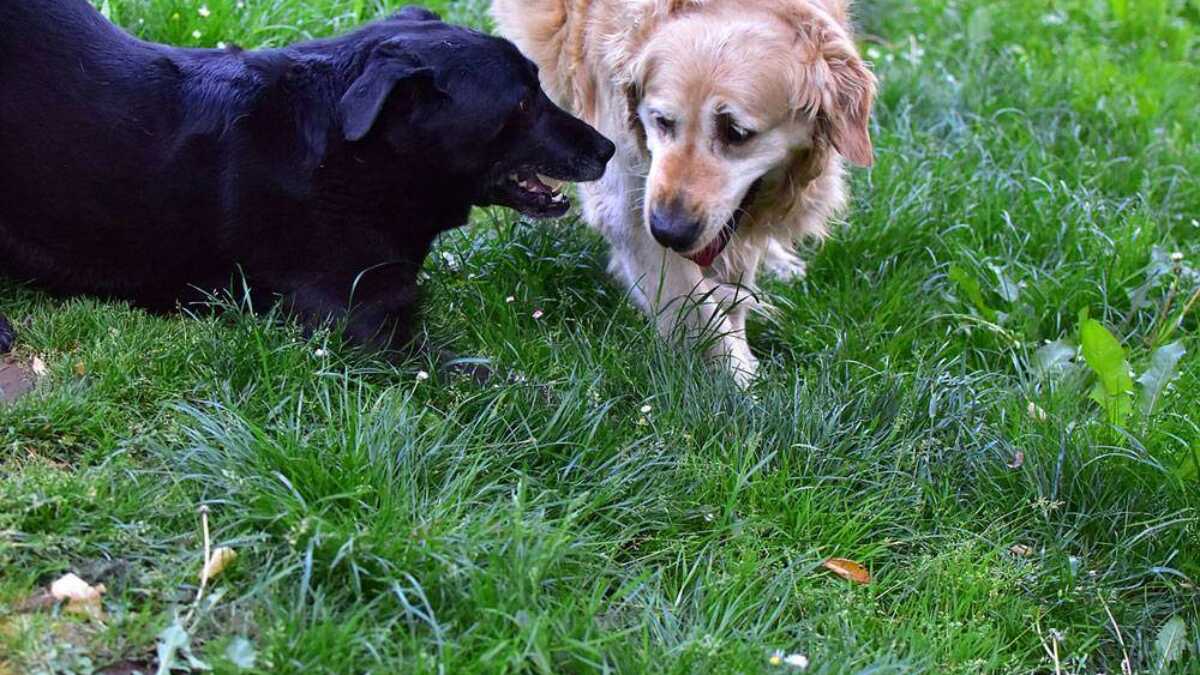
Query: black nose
(605, 149)
(673, 227)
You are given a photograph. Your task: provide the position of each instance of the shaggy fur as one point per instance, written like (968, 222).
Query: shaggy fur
(731, 118)
(322, 172)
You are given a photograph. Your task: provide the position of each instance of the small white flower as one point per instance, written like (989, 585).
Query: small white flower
(422, 376)
(320, 353)
(646, 409)
(240, 4)
(204, 12)
(221, 45)
(510, 300)
(1177, 257)
(1036, 412)
(197, 34)
(537, 314)
(799, 661)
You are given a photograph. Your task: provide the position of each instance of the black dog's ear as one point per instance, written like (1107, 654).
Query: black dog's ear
(364, 99)
(416, 14)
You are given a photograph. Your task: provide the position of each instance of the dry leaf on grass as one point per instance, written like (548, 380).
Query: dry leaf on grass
(38, 366)
(80, 369)
(1020, 550)
(221, 558)
(848, 570)
(80, 596)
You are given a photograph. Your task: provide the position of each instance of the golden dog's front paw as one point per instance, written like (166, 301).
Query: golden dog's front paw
(734, 354)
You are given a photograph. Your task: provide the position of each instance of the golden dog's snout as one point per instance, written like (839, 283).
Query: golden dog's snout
(674, 225)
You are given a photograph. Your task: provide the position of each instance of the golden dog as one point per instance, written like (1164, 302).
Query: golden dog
(731, 119)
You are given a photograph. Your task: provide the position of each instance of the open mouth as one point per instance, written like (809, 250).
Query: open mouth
(527, 192)
(706, 256)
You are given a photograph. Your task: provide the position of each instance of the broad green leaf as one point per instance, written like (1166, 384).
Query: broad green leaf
(979, 26)
(1160, 373)
(173, 643)
(1006, 287)
(1172, 640)
(1189, 468)
(970, 287)
(1106, 358)
(1117, 407)
(241, 653)
(1159, 267)
(1053, 357)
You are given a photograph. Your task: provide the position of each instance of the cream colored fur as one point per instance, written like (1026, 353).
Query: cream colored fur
(787, 70)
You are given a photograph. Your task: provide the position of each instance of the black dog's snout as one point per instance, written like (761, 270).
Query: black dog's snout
(605, 149)
(673, 227)
(577, 145)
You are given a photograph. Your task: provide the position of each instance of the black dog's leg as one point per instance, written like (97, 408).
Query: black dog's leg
(7, 335)
(376, 307)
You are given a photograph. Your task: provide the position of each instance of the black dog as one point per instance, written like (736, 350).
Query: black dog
(321, 172)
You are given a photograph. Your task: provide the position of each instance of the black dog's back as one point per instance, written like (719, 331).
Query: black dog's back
(77, 87)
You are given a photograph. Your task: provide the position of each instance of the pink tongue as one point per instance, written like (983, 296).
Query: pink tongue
(706, 257)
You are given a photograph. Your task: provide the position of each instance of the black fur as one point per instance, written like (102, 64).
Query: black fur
(322, 171)
(7, 336)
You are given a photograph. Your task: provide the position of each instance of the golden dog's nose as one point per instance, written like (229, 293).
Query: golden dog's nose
(674, 227)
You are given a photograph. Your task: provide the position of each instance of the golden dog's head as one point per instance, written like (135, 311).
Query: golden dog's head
(739, 104)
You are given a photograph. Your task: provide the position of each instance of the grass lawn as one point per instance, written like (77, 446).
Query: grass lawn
(945, 400)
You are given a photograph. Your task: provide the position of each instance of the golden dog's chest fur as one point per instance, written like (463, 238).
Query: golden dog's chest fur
(666, 80)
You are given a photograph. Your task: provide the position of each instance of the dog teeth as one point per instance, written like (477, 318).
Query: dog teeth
(558, 198)
(552, 183)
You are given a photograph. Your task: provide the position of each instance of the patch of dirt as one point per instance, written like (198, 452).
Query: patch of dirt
(15, 381)
(128, 668)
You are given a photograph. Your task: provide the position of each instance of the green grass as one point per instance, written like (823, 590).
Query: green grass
(1035, 159)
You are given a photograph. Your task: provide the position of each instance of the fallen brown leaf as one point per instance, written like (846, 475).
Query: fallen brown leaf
(80, 369)
(38, 366)
(221, 558)
(81, 597)
(1020, 550)
(848, 570)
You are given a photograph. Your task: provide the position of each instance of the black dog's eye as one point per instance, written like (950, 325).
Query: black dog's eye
(525, 106)
(733, 133)
(665, 124)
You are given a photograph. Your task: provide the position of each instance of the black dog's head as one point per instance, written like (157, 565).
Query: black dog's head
(470, 107)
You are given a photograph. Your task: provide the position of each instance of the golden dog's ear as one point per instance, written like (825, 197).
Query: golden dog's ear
(833, 84)
(633, 100)
(845, 113)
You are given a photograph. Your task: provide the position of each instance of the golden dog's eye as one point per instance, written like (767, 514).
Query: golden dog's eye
(733, 133)
(665, 124)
